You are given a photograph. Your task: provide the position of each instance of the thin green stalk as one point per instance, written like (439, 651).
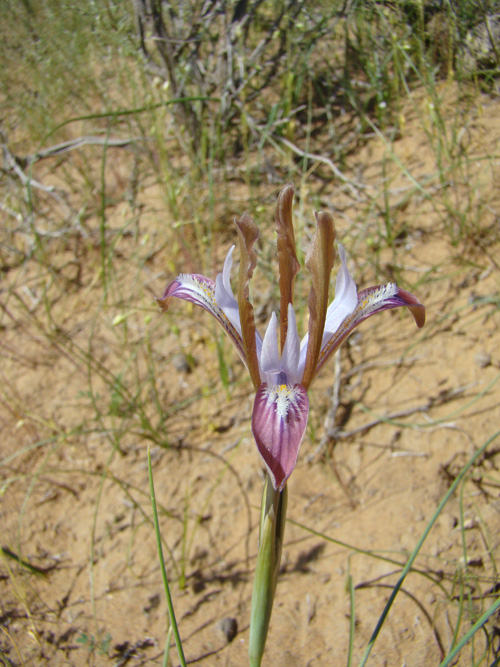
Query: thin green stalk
(367, 552)
(440, 420)
(468, 636)
(102, 224)
(272, 530)
(166, 654)
(170, 605)
(185, 518)
(352, 620)
(416, 551)
(125, 112)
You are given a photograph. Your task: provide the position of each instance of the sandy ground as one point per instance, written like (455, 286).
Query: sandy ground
(413, 407)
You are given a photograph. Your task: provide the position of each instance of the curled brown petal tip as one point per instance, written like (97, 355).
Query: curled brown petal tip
(248, 233)
(414, 306)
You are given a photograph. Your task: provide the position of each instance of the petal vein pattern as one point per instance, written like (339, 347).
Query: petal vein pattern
(201, 291)
(224, 296)
(371, 301)
(279, 421)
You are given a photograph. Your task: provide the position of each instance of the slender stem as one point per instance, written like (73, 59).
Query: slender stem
(170, 605)
(352, 620)
(272, 529)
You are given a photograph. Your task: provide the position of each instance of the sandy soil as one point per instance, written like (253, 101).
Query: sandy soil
(413, 408)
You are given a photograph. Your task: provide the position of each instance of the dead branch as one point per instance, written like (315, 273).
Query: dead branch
(72, 144)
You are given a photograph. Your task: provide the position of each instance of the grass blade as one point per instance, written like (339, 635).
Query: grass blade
(468, 636)
(422, 539)
(170, 605)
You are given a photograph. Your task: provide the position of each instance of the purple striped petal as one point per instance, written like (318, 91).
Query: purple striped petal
(371, 301)
(201, 291)
(279, 421)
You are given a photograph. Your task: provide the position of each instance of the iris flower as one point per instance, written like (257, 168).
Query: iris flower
(283, 372)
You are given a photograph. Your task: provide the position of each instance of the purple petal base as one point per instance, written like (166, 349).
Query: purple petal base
(279, 421)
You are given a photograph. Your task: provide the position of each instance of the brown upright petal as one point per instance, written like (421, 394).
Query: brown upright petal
(248, 233)
(287, 257)
(319, 262)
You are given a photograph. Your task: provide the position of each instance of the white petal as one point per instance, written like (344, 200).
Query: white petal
(201, 291)
(224, 294)
(269, 356)
(344, 303)
(346, 299)
(291, 349)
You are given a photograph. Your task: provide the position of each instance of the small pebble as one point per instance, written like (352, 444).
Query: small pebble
(181, 364)
(470, 524)
(153, 603)
(482, 359)
(448, 522)
(228, 627)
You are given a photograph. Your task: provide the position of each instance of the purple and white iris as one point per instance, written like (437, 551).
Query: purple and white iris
(282, 373)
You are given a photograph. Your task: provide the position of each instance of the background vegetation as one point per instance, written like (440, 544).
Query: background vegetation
(132, 133)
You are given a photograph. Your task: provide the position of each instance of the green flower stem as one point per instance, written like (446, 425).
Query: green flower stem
(272, 529)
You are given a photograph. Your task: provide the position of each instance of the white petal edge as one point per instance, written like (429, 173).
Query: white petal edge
(291, 350)
(345, 301)
(269, 356)
(224, 294)
(343, 305)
